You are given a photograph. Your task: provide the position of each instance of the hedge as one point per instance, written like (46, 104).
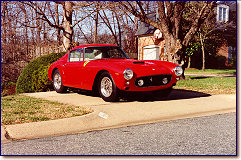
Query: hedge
(34, 77)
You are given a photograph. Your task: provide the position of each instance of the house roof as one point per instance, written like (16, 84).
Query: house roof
(144, 28)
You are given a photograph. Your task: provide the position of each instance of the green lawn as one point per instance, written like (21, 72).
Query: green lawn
(211, 71)
(21, 109)
(211, 85)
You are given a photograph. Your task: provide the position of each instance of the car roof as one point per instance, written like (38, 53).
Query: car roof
(93, 45)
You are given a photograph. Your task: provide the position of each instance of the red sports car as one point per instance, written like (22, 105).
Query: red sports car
(107, 69)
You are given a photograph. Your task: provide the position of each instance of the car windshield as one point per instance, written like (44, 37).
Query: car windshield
(107, 52)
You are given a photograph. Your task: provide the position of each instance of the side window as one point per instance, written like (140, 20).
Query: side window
(76, 55)
(93, 53)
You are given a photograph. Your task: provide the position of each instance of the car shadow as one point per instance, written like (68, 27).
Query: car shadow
(199, 77)
(176, 94)
(82, 91)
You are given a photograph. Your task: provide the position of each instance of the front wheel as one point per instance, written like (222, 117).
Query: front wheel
(107, 89)
(57, 82)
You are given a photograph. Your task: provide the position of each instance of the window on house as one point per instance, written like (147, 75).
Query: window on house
(222, 13)
(231, 53)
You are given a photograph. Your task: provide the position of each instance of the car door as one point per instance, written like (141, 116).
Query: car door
(91, 54)
(73, 69)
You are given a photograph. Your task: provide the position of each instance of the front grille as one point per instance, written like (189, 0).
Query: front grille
(154, 80)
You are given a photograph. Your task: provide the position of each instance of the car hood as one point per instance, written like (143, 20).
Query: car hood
(139, 67)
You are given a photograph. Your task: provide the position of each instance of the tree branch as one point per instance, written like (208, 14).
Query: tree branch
(40, 12)
(83, 18)
(142, 18)
(178, 17)
(197, 22)
(163, 19)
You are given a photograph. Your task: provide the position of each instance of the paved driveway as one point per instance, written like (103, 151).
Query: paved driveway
(139, 109)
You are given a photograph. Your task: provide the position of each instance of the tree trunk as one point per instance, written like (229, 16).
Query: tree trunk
(119, 27)
(173, 46)
(175, 50)
(203, 51)
(57, 22)
(189, 62)
(38, 29)
(96, 23)
(67, 25)
(4, 30)
(26, 34)
(45, 36)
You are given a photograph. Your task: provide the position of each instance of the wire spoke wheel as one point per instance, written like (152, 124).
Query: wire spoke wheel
(57, 81)
(107, 89)
(106, 86)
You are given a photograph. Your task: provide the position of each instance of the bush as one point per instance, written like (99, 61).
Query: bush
(34, 77)
(8, 88)
(40, 79)
(234, 62)
(220, 61)
(5, 85)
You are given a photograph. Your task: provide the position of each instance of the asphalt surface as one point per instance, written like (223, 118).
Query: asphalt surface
(212, 135)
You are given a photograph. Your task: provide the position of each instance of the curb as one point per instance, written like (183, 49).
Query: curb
(125, 114)
(4, 136)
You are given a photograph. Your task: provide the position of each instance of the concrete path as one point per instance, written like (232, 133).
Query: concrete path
(134, 111)
(210, 75)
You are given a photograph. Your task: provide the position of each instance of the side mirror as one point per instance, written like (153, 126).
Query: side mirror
(132, 58)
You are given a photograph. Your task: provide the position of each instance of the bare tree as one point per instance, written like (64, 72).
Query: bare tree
(31, 28)
(67, 23)
(111, 25)
(170, 23)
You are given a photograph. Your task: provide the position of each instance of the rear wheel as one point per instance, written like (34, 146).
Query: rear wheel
(107, 89)
(57, 82)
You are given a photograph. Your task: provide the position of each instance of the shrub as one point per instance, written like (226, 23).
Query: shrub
(34, 77)
(40, 79)
(234, 62)
(8, 88)
(220, 61)
(7, 84)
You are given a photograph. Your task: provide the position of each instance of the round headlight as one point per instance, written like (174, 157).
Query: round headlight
(128, 74)
(178, 70)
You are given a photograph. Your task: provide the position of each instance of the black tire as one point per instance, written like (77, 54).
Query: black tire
(57, 83)
(108, 93)
(163, 92)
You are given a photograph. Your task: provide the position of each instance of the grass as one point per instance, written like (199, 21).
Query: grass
(211, 71)
(21, 109)
(210, 85)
